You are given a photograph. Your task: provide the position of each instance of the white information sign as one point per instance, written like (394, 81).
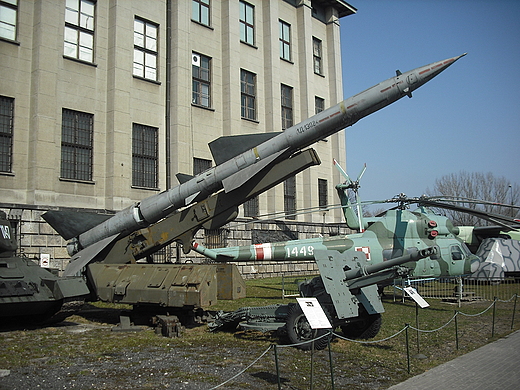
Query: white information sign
(45, 260)
(314, 313)
(412, 292)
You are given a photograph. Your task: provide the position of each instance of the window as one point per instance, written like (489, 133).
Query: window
(316, 53)
(216, 238)
(145, 49)
(77, 131)
(247, 23)
(6, 133)
(248, 94)
(8, 11)
(322, 193)
(79, 30)
(200, 11)
(200, 165)
(285, 41)
(144, 156)
(289, 198)
(319, 104)
(287, 104)
(201, 83)
(252, 207)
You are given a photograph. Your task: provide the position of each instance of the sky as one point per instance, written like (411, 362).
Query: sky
(465, 119)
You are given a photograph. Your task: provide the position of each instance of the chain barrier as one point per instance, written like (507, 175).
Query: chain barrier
(407, 326)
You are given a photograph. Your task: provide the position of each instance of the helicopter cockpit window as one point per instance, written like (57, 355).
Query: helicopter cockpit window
(456, 252)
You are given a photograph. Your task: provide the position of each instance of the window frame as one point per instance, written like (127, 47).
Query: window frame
(6, 134)
(319, 104)
(197, 7)
(145, 156)
(197, 94)
(285, 41)
(146, 50)
(248, 109)
(289, 198)
(81, 154)
(75, 34)
(201, 165)
(317, 56)
(323, 194)
(287, 106)
(247, 26)
(12, 7)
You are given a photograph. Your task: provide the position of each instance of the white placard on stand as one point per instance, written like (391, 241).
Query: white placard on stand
(412, 292)
(314, 313)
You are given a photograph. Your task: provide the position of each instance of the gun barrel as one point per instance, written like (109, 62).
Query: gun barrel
(371, 269)
(311, 130)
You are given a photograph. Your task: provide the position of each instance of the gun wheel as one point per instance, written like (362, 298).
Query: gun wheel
(299, 330)
(366, 327)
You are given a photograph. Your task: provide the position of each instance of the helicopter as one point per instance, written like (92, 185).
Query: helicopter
(395, 233)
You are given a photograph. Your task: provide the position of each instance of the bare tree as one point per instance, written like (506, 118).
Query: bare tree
(481, 186)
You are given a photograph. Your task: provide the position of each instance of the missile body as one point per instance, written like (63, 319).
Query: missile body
(232, 173)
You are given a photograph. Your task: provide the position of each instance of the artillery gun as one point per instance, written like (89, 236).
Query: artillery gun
(30, 293)
(347, 290)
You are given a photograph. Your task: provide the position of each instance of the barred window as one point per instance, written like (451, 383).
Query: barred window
(8, 18)
(252, 207)
(287, 107)
(247, 23)
(201, 80)
(77, 131)
(248, 94)
(289, 197)
(144, 156)
(285, 40)
(145, 49)
(200, 11)
(6, 133)
(317, 58)
(79, 29)
(322, 193)
(319, 104)
(216, 238)
(200, 165)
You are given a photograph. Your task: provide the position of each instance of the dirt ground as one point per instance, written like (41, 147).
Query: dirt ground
(85, 353)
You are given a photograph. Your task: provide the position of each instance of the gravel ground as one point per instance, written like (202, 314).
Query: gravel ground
(62, 357)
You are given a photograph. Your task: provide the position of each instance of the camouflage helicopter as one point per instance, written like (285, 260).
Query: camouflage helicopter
(422, 243)
(396, 233)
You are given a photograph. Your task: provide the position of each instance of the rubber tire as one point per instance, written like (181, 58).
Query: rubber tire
(299, 330)
(368, 327)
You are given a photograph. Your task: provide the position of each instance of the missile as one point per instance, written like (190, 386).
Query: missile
(233, 172)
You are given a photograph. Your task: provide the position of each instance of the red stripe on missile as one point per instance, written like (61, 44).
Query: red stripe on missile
(259, 252)
(424, 71)
(386, 89)
(352, 105)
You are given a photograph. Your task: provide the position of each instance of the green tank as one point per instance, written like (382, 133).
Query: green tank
(30, 293)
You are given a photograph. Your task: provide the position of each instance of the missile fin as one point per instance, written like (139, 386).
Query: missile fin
(70, 224)
(190, 198)
(237, 179)
(85, 256)
(225, 148)
(183, 177)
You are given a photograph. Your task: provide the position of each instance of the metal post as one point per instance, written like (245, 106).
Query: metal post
(277, 367)
(456, 329)
(407, 347)
(417, 326)
(330, 360)
(513, 316)
(312, 364)
(494, 314)
(283, 286)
